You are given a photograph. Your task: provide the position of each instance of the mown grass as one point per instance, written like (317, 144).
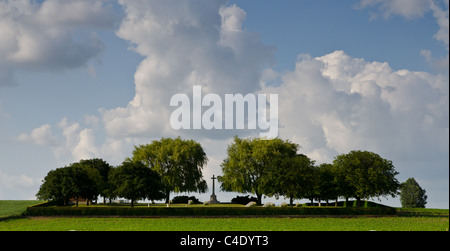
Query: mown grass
(227, 224)
(409, 220)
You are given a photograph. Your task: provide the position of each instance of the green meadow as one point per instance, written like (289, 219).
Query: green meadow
(227, 224)
(418, 220)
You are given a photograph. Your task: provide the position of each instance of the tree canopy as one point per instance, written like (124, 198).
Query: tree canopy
(250, 164)
(66, 183)
(178, 162)
(135, 181)
(294, 177)
(363, 174)
(270, 167)
(412, 195)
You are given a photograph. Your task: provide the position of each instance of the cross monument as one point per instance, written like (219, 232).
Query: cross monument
(213, 199)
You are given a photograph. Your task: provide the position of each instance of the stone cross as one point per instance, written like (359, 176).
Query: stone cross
(213, 178)
(213, 199)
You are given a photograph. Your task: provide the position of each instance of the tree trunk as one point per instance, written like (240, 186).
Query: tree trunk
(346, 202)
(291, 201)
(167, 196)
(77, 202)
(259, 199)
(312, 201)
(358, 202)
(132, 202)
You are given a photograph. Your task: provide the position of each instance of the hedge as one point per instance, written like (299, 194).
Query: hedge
(205, 211)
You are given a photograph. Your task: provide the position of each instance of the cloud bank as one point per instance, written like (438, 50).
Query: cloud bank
(53, 35)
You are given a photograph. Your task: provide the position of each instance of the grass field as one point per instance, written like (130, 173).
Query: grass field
(227, 224)
(11, 208)
(415, 223)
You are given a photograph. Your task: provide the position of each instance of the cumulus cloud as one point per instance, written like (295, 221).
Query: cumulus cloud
(42, 36)
(336, 103)
(329, 104)
(185, 43)
(68, 140)
(42, 136)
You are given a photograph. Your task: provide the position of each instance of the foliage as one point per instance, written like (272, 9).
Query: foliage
(205, 211)
(178, 162)
(85, 179)
(363, 174)
(185, 199)
(98, 170)
(65, 183)
(327, 187)
(412, 195)
(249, 165)
(243, 200)
(294, 177)
(134, 181)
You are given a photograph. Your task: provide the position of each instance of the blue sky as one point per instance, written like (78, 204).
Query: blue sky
(319, 28)
(84, 79)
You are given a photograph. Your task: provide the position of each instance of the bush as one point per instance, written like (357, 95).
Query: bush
(204, 211)
(243, 200)
(185, 200)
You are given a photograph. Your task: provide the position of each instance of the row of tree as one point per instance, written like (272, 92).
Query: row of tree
(154, 171)
(253, 165)
(273, 168)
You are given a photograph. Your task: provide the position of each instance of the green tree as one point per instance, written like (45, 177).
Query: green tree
(94, 179)
(66, 183)
(251, 164)
(365, 174)
(326, 185)
(178, 162)
(294, 177)
(98, 170)
(135, 181)
(51, 188)
(412, 195)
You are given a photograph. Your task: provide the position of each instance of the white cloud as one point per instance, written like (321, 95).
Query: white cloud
(185, 43)
(407, 8)
(68, 141)
(42, 136)
(42, 36)
(442, 18)
(21, 181)
(336, 103)
(329, 104)
(14, 186)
